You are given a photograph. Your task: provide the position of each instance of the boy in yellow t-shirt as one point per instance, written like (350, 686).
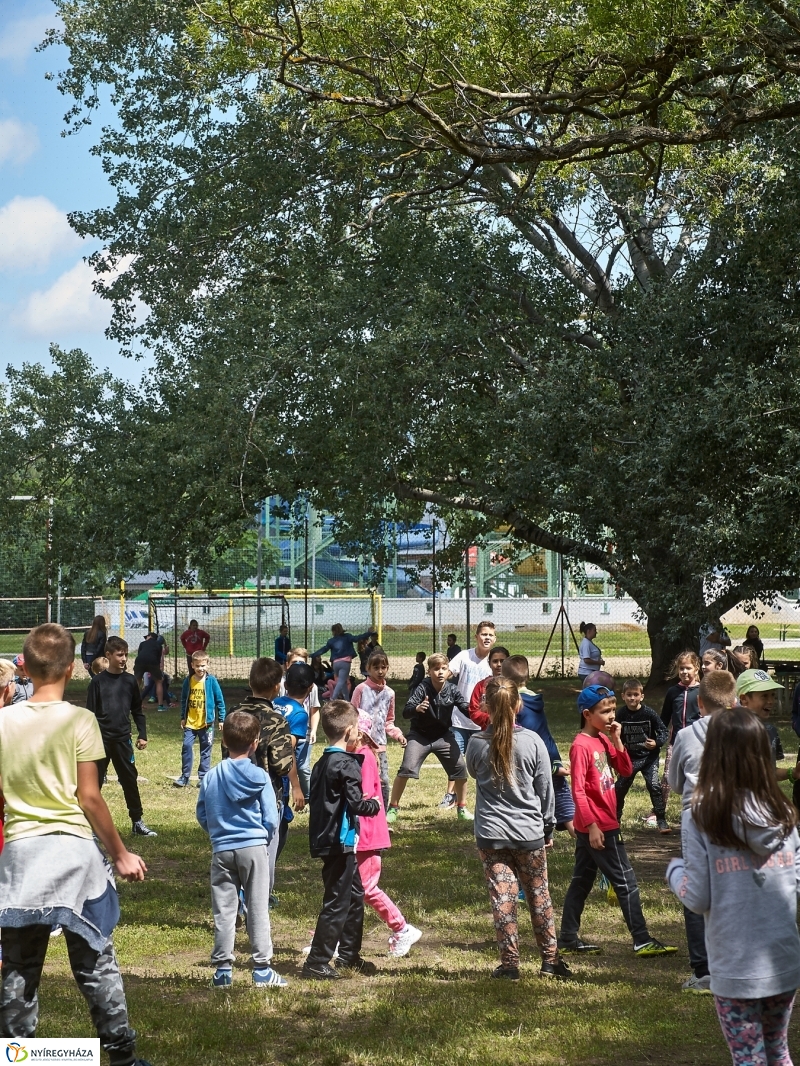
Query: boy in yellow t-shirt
(201, 704)
(51, 870)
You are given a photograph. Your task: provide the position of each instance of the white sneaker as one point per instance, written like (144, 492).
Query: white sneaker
(401, 943)
(650, 821)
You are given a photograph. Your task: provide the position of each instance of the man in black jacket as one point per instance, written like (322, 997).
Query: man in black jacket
(114, 698)
(430, 709)
(336, 803)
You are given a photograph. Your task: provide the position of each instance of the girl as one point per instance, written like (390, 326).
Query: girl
(94, 642)
(713, 660)
(740, 846)
(342, 654)
(514, 818)
(746, 655)
(753, 639)
(680, 708)
(591, 658)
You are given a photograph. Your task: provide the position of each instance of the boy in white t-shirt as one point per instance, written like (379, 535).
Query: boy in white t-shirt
(466, 670)
(51, 870)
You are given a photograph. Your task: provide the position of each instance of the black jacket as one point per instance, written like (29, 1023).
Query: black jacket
(639, 726)
(437, 720)
(417, 677)
(112, 699)
(336, 802)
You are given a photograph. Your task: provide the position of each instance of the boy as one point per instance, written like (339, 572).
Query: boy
(274, 752)
(337, 802)
(643, 734)
(531, 716)
(98, 665)
(418, 673)
(756, 691)
(717, 693)
(467, 669)
(283, 645)
(236, 807)
(24, 685)
(374, 698)
(202, 703)
(452, 648)
(430, 708)
(114, 698)
(194, 639)
(150, 660)
(51, 870)
(298, 683)
(311, 705)
(596, 750)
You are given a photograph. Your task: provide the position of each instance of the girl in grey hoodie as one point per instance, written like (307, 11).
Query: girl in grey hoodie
(741, 870)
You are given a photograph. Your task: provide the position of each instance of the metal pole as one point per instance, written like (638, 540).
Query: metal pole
(175, 574)
(466, 593)
(259, 579)
(305, 581)
(433, 583)
(561, 610)
(48, 609)
(58, 598)
(122, 608)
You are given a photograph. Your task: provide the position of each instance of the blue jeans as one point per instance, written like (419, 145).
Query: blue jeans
(205, 736)
(462, 737)
(341, 671)
(303, 757)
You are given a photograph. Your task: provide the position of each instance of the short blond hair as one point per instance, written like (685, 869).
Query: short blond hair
(99, 664)
(7, 672)
(437, 659)
(200, 657)
(298, 653)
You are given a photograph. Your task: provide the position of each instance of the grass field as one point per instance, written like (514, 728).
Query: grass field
(438, 1006)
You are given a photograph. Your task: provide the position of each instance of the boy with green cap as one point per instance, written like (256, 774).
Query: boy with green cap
(756, 690)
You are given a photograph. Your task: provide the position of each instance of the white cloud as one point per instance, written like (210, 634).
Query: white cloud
(32, 232)
(70, 305)
(20, 36)
(18, 142)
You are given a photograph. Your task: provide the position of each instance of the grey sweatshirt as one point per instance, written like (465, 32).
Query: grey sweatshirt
(749, 900)
(687, 751)
(519, 813)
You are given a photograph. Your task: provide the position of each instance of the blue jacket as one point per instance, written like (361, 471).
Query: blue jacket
(531, 716)
(215, 702)
(341, 647)
(236, 805)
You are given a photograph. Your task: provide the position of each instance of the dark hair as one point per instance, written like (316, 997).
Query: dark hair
(502, 699)
(717, 691)
(516, 669)
(630, 684)
(499, 648)
(299, 678)
(736, 773)
(449, 635)
(420, 656)
(239, 730)
(687, 653)
(98, 626)
(587, 625)
(48, 652)
(265, 675)
(116, 643)
(338, 629)
(194, 622)
(336, 717)
(718, 657)
(747, 649)
(377, 658)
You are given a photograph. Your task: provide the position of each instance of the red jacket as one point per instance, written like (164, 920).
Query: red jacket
(477, 704)
(592, 760)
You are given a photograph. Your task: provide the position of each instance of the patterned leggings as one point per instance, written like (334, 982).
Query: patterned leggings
(756, 1029)
(504, 871)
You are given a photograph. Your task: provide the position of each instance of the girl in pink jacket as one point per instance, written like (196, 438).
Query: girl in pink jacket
(373, 838)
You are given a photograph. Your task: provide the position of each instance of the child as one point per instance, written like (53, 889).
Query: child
(376, 700)
(430, 709)
(150, 660)
(299, 682)
(202, 703)
(596, 750)
(478, 711)
(114, 698)
(51, 870)
(372, 839)
(531, 716)
(643, 734)
(514, 819)
(311, 705)
(716, 692)
(194, 639)
(98, 666)
(283, 644)
(418, 673)
(237, 809)
(740, 857)
(756, 691)
(680, 708)
(337, 801)
(467, 669)
(24, 686)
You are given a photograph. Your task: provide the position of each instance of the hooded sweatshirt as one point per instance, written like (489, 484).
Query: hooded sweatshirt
(236, 805)
(686, 755)
(373, 833)
(748, 897)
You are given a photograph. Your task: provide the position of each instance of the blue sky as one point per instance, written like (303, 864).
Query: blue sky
(45, 285)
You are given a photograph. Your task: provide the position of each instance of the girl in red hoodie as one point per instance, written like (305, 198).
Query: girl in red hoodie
(373, 838)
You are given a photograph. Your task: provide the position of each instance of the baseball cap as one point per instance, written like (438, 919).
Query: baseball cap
(755, 681)
(592, 695)
(18, 661)
(299, 676)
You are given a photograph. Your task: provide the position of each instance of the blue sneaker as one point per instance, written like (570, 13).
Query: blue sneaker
(521, 895)
(267, 978)
(223, 978)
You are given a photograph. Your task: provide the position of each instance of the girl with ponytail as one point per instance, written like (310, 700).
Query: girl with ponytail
(514, 821)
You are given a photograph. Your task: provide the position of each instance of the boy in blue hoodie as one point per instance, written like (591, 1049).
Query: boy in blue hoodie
(202, 703)
(237, 809)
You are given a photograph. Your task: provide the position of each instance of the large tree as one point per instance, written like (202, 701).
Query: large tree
(594, 347)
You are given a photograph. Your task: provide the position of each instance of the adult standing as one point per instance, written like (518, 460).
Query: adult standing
(590, 656)
(94, 642)
(342, 652)
(194, 639)
(467, 669)
(150, 660)
(713, 638)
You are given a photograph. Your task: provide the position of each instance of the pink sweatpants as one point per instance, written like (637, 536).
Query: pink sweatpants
(369, 867)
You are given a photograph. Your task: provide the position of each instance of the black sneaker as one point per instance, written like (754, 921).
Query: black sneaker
(319, 971)
(506, 973)
(358, 965)
(142, 830)
(556, 969)
(577, 947)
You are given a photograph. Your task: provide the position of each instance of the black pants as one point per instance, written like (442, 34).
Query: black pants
(341, 920)
(97, 976)
(696, 940)
(613, 861)
(649, 772)
(120, 754)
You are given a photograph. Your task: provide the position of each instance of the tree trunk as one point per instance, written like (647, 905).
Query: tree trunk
(668, 639)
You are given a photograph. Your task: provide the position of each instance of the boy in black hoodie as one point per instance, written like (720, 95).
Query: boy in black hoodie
(336, 803)
(643, 734)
